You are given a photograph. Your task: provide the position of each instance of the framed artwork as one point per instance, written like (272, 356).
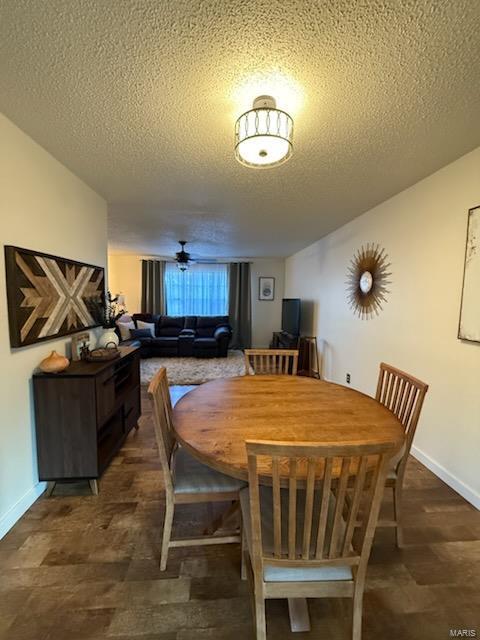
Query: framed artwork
(266, 288)
(469, 325)
(48, 296)
(80, 344)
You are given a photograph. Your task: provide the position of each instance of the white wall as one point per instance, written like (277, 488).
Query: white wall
(423, 230)
(266, 314)
(125, 276)
(46, 208)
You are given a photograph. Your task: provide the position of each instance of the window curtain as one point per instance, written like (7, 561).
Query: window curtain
(240, 305)
(202, 290)
(153, 286)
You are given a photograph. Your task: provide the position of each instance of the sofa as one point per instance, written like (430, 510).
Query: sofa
(197, 336)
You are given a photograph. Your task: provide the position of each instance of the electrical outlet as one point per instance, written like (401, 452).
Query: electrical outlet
(347, 377)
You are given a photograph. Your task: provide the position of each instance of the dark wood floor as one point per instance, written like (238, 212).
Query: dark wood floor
(84, 567)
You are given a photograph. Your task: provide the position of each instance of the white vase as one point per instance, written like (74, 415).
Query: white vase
(107, 337)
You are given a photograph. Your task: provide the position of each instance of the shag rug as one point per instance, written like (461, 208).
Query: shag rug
(194, 370)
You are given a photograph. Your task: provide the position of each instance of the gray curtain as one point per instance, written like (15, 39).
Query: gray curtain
(153, 286)
(240, 305)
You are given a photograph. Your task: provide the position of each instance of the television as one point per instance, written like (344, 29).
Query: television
(291, 316)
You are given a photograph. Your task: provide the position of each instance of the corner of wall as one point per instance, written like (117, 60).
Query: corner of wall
(16, 511)
(55, 214)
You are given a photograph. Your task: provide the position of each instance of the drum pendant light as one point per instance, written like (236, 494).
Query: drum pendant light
(263, 135)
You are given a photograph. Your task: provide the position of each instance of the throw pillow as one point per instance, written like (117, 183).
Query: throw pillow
(147, 325)
(140, 333)
(124, 328)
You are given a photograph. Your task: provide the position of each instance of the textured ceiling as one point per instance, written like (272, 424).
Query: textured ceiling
(139, 98)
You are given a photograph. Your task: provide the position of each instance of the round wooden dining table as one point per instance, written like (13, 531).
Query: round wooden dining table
(214, 420)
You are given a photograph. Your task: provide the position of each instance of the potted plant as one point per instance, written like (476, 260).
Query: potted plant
(106, 312)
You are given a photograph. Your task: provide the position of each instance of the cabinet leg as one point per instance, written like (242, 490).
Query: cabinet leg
(93, 486)
(50, 487)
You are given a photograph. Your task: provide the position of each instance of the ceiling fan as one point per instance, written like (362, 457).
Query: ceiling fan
(182, 257)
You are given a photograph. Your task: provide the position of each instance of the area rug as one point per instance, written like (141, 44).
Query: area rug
(194, 370)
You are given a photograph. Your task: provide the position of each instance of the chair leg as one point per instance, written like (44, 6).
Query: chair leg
(357, 614)
(210, 528)
(260, 622)
(243, 551)
(167, 532)
(397, 509)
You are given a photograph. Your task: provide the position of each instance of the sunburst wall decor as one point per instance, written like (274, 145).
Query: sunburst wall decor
(367, 281)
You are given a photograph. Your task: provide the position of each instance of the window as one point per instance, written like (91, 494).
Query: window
(202, 290)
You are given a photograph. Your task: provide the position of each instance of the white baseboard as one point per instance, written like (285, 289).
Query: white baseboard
(15, 512)
(18, 509)
(455, 483)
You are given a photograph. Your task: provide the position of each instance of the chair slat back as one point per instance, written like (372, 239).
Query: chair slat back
(403, 395)
(313, 523)
(162, 420)
(271, 361)
(167, 400)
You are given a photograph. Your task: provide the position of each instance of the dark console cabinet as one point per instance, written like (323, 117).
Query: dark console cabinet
(84, 414)
(284, 340)
(308, 364)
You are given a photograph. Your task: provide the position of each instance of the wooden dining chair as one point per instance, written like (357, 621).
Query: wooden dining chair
(403, 395)
(298, 543)
(271, 361)
(186, 480)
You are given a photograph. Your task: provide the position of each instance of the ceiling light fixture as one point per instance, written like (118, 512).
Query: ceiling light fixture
(263, 135)
(182, 257)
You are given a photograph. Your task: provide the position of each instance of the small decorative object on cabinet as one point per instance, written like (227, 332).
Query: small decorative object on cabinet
(103, 355)
(108, 312)
(80, 345)
(54, 363)
(266, 288)
(108, 338)
(83, 415)
(308, 357)
(469, 326)
(367, 281)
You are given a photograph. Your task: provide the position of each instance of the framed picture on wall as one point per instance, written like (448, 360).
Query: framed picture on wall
(49, 296)
(469, 326)
(266, 288)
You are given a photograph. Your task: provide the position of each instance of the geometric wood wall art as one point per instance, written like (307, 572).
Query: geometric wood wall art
(49, 296)
(367, 281)
(469, 326)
